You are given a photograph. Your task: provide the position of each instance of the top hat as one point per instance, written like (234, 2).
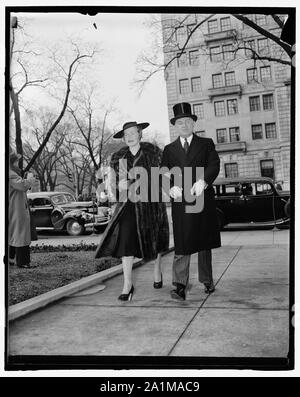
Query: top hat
(129, 124)
(180, 110)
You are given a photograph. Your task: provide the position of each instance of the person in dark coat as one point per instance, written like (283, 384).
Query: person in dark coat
(193, 232)
(137, 229)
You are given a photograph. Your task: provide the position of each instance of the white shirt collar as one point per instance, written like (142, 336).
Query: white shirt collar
(189, 139)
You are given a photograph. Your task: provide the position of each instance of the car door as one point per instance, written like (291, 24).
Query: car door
(231, 203)
(41, 209)
(259, 202)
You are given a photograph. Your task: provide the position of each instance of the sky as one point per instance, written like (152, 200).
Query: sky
(122, 38)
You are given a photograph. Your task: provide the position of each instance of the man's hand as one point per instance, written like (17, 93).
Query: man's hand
(175, 192)
(198, 188)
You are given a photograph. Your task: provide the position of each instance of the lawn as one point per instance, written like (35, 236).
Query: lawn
(52, 270)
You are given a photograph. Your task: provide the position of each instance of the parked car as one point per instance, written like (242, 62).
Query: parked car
(253, 200)
(60, 211)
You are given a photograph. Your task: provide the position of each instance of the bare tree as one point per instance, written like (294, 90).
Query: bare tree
(23, 58)
(46, 167)
(167, 39)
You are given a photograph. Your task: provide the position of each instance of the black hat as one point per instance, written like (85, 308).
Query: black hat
(129, 124)
(180, 110)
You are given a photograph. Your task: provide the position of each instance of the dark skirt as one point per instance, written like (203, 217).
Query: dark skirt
(128, 241)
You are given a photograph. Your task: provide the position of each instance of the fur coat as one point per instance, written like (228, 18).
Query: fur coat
(152, 219)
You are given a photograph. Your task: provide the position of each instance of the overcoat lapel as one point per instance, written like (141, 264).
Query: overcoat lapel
(179, 152)
(193, 150)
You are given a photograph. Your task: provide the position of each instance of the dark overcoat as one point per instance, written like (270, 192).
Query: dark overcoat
(195, 231)
(152, 220)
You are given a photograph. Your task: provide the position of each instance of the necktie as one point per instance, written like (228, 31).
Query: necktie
(186, 146)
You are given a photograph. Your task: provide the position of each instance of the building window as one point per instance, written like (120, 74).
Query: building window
(217, 80)
(184, 86)
(251, 45)
(257, 132)
(265, 73)
(213, 26)
(181, 60)
(228, 52)
(231, 170)
(254, 102)
(194, 57)
(251, 75)
(221, 135)
(200, 133)
(219, 108)
(268, 102)
(234, 134)
(263, 46)
(229, 79)
(260, 19)
(215, 54)
(196, 84)
(180, 33)
(232, 106)
(198, 110)
(225, 24)
(270, 130)
(267, 168)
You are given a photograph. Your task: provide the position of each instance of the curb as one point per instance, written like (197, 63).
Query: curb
(21, 309)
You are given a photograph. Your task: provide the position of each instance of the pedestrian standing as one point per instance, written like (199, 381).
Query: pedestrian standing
(19, 224)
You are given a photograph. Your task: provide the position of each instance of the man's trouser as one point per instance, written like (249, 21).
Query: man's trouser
(181, 268)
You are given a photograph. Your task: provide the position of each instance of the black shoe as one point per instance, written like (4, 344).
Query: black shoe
(127, 297)
(209, 288)
(158, 284)
(178, 293)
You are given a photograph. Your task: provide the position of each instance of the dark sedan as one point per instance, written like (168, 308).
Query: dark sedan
(60, 211)
(255, 201)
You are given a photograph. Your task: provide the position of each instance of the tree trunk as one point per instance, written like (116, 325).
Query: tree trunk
(19, 146)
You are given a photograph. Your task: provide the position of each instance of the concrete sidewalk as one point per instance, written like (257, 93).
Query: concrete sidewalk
(247, 316)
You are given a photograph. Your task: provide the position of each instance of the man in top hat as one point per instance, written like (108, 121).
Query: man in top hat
(193, 232)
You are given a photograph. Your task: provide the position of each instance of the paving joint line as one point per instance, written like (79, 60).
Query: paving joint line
(201, 305)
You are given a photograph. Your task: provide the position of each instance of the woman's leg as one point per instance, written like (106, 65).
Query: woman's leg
(157, 269)
(127, 262)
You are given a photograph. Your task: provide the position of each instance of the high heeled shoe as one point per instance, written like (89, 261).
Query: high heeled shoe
(127, 297)
(158, 284)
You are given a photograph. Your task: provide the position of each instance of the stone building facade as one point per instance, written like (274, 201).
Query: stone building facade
(241, 103)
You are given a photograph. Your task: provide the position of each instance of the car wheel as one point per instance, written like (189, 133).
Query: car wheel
(74, 228)
(287, 208)
(221, 220)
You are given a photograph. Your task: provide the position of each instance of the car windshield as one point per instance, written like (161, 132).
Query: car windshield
(62, 198)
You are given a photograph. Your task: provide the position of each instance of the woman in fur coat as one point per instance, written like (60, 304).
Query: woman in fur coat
(138, 228)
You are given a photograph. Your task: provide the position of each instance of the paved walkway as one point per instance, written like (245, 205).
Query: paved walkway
(247, 316)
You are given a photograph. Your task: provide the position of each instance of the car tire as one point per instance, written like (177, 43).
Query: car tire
(221, 220)
(287, 208)
(74, 228)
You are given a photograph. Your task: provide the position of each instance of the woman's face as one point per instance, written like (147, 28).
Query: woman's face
(132, 136)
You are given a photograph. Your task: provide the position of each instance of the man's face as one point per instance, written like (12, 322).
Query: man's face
(131, 136)
(184, 126)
